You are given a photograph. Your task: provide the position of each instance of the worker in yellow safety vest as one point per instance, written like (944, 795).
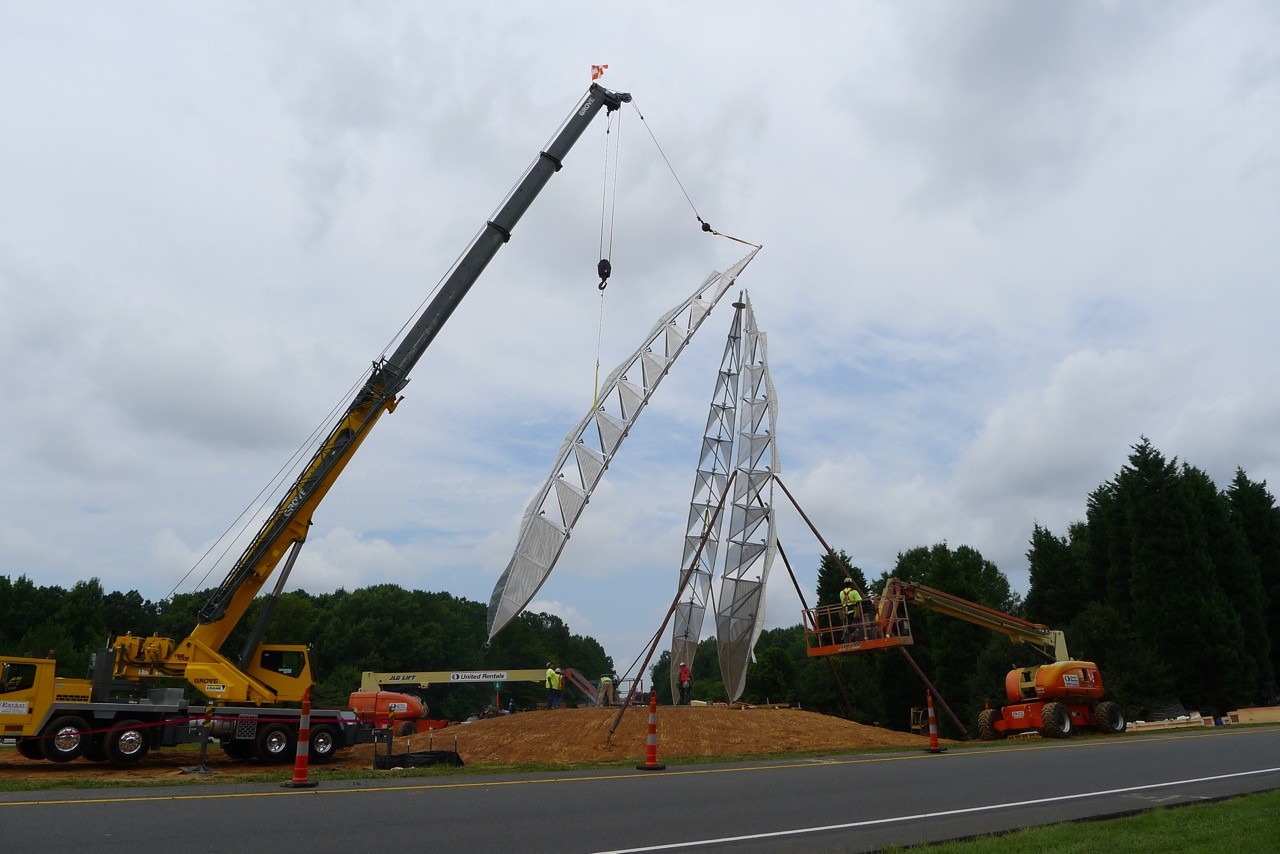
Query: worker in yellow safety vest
(553, 686)
(605, 696)
(851, 599)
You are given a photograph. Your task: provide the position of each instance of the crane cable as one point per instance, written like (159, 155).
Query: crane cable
(706, 226)
(608, 213)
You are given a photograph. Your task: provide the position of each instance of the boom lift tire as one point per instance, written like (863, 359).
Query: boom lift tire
(65, 739)
(987, 725)
(128, 742)
(1109, 718)
(276, 743)
(323, 745)
(1056, 719)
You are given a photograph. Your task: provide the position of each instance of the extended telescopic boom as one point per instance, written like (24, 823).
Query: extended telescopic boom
(286, 528)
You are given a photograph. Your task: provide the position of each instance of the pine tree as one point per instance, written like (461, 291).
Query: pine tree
(832, 571)
(1254, 510)
(1057, 584)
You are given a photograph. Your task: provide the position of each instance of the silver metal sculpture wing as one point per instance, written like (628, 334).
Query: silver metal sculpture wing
(702, 534)
(589, 448)
(753, 535)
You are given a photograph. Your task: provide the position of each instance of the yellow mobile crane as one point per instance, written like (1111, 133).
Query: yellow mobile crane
(115, 715)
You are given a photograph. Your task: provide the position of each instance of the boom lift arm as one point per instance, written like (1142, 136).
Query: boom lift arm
(198, 657)
(1052, 642)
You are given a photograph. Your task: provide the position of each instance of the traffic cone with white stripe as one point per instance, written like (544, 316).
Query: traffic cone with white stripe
(933, 727)
(300, 780)
(651, 742)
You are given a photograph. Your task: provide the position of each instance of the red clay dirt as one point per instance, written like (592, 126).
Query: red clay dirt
(547, 737)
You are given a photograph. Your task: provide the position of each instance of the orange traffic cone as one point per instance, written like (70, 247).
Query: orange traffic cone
(933, 727)
(300, 780)
(651, 742)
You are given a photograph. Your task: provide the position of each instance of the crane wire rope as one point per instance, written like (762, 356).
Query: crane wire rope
(608, 211)
(706, 226)
(275, 483)
(264, 496)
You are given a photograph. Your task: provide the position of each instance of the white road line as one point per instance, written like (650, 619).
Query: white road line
(872, 822)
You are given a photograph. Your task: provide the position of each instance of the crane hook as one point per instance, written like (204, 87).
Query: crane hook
(604, 268)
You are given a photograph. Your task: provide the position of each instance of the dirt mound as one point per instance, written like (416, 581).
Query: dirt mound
(569, 736)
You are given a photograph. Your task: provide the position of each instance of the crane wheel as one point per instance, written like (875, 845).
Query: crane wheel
(987, 725)
(95, 751)
(29, 748)
(237, 750)
(276, 743)
(128, 742)
(1108, 717)
(65, 739)
(1056, 719)
(323, 745)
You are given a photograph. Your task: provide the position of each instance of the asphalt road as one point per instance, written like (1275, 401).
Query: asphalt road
(813, 805)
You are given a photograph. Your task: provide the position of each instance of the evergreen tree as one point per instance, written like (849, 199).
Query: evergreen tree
(1154, 539)
(832, 571)
(1255, 511)
(1057, 583)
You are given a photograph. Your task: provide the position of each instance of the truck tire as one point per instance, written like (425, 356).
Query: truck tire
(127, 742)
(1056, 720)
(65, 739)
(1108, 717)
(95, 751)
(276, 743)
(987, 725)
(237, 750)
(29, 748)
(323, 745)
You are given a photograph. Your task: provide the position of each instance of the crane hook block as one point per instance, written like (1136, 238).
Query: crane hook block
(604, 268)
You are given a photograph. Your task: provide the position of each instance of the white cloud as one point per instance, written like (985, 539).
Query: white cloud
(1000, 244)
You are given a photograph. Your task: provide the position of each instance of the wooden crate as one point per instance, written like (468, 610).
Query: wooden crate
(1256, 715)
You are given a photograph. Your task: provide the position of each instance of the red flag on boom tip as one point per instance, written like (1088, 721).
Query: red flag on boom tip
(597, 71)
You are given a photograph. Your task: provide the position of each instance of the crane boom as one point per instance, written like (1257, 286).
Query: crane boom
(286, 527)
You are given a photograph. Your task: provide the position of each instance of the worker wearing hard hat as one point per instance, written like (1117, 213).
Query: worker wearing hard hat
(685, 680)
(851, 599)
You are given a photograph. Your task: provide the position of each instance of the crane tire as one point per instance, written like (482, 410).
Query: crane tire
(323, 745)
(1109, 718)
(29, 748)
(95, 751)
(1056, 719)
(237, 750)
(987, 725)
(65, 739)
(276, 743)
(127, 742)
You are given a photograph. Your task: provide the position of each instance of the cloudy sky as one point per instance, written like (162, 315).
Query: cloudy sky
(1002, 241)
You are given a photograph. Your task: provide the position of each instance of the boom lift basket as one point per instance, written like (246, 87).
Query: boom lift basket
(878, 624)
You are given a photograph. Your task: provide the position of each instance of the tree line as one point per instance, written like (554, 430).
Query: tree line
(1169, 584)
(383, 628)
